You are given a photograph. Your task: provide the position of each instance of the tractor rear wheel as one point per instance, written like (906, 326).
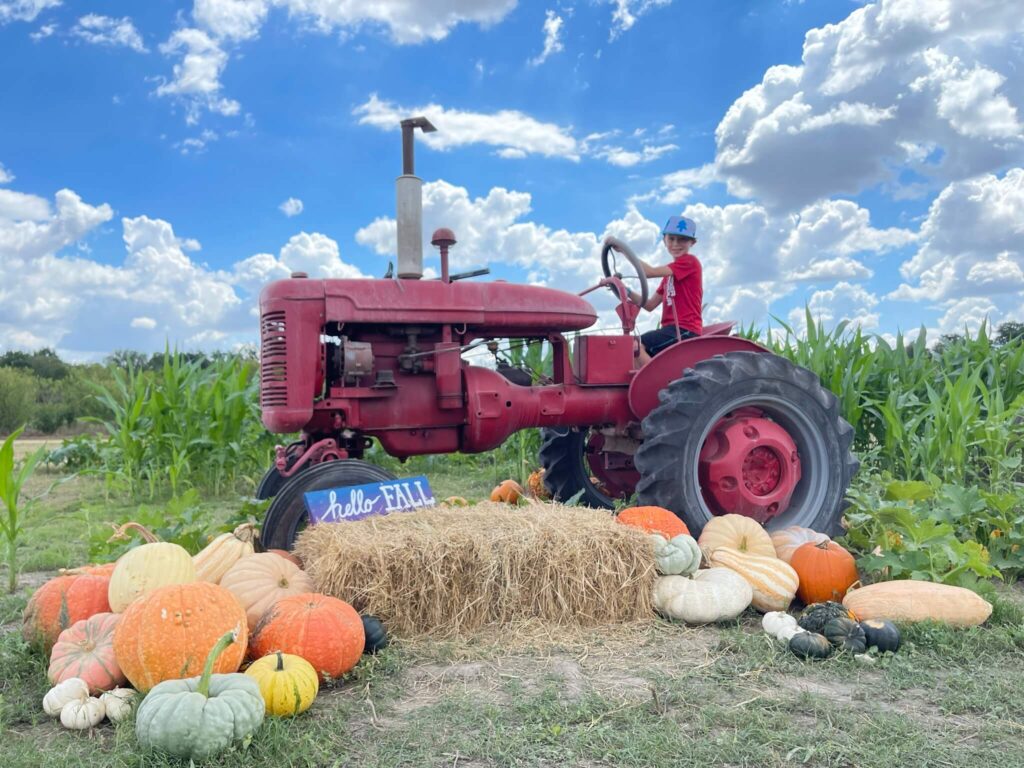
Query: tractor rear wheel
(564, 455)
(287, 514)
(706, 446)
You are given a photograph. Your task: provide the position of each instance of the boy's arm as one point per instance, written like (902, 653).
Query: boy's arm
(652, 302)
(655, 271)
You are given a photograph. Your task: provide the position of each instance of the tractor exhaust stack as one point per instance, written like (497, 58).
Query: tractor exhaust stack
(409, 204)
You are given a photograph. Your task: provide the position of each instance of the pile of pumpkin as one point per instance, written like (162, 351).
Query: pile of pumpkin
(178, 628)
(747, 566)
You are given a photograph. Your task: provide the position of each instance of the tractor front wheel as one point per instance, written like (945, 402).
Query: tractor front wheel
(574, 468)
(748, 433)
(287, 514)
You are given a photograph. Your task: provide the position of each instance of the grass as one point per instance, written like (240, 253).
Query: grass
(657, 695)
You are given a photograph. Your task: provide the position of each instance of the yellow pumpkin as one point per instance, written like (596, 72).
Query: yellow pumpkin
(288, 683)
(258, 581)
(773, 581)
(737, 532)
(143, 569)
(223, 552)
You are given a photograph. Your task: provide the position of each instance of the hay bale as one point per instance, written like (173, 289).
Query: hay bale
(448, 570)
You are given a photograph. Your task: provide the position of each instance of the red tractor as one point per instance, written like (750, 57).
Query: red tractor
(714, 424)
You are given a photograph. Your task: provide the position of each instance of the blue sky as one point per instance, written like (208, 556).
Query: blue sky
(862, 159)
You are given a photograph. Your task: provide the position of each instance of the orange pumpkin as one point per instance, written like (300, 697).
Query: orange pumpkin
(325, 631)
(259, 581)
(86, 650)
(508, 492)
(105, 569)
(826, 572)
(789, 539)
(653, 520)
(167, 634)
(61, 602)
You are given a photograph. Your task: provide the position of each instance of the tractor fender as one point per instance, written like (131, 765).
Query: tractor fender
(669, 365)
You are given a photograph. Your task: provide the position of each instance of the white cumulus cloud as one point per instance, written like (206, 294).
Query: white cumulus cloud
(24, 10)
(627, 12)
(196, 80)
(291, 207)
(552, 38)
(105, 30)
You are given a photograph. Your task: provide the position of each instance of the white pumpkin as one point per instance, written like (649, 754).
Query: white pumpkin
(679, 556)
(143, 569)
(79, 715)
(715, 594)
(787, 540)
(774, 622)
(72, 689)
(118, 703)
(773, 581)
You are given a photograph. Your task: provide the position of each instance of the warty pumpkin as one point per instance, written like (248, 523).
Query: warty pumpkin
(736, 532)
(679, 556)
(535, 482)
(774, 583)
(918, 601)
(148, 567)
(167, 633)
(258, 581)
(787, 540)
(653, 520)
(826, 571)
(714, 594)
(61, 602)
(288, 683)
(325, 631)
(224, 551)
(201, 716)
(86, 650)
(814, 617)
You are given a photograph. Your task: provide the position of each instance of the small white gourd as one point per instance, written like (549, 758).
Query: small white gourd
(118, 703)
(679, 556)
(714, 594)
(72, 689)
(776, 622)
(78, 715)
(787, 633)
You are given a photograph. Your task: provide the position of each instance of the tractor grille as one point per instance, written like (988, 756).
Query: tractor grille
(273, 361)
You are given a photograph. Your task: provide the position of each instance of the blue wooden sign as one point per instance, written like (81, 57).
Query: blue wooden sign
(356, 502)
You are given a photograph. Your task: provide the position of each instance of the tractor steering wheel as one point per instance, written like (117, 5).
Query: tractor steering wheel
(610, 246)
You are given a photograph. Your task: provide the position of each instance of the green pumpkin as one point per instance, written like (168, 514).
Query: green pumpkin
(882, 635)
(810, 645)
(815, 616)
(679, 556)
(846, 635)
(201, 716)
(376, 636)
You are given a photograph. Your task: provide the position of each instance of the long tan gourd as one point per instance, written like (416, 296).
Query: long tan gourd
(918, 601)
(737, 532)
(223, 552)
(773, 581)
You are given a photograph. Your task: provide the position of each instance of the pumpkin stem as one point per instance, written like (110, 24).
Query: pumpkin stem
(120, 532)
(246, 533)
(280, 661)
(217, 650)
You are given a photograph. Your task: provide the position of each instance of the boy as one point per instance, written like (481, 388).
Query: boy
(681, 289)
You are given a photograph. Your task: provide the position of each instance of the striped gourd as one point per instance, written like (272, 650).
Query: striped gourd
(773, 581)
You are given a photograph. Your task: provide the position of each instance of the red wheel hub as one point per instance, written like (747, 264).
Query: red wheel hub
(749, 466)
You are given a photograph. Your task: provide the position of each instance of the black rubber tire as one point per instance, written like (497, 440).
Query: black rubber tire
(270, 484)
(565, 468)
(792, 396)
(286, 515)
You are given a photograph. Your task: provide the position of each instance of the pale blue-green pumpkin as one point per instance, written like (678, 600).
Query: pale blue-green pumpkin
(678, 556)
(201, 716)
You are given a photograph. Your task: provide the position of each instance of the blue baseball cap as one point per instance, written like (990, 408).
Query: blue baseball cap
(680, 225)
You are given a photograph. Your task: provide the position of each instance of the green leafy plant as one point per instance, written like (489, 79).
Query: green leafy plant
(12, 480)
(181, 520)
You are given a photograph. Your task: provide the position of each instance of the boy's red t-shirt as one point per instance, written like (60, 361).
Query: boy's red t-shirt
(686, 291)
